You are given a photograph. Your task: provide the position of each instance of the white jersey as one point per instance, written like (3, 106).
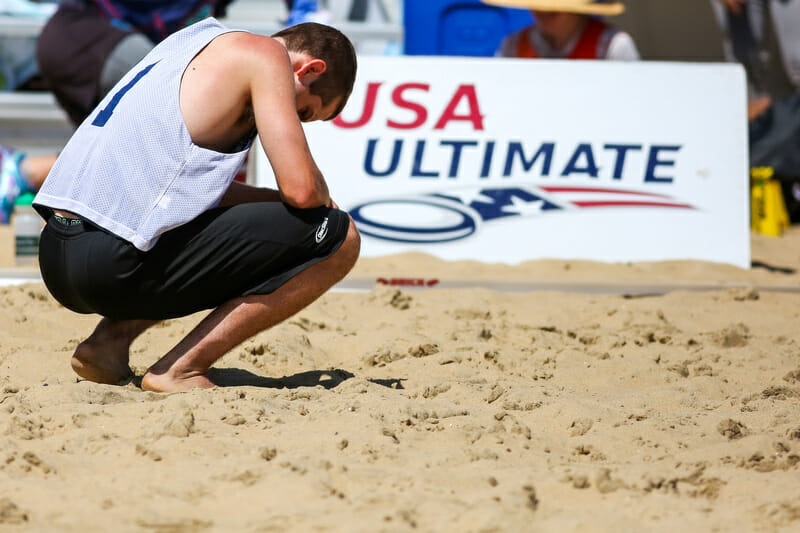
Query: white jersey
(131, 167)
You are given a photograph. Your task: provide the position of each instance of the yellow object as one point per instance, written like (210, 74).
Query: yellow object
(768, 214)
(586, 7)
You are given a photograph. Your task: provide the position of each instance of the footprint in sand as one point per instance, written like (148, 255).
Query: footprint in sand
(10, 513)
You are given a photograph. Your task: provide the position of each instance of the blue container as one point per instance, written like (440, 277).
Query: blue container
(458, 27)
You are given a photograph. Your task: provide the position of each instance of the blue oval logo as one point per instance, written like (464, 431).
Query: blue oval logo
(415, 220)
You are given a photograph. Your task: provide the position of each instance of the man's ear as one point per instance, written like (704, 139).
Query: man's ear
(309, 71)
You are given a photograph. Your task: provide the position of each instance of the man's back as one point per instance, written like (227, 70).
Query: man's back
(138, 171)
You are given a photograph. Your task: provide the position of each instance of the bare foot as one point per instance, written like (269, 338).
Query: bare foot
(103, 357)
(102, 364)
(167, 382)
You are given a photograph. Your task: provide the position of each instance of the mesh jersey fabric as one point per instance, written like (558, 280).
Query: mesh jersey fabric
(131, 168)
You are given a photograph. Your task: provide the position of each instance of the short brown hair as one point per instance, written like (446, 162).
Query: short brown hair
(335, 49)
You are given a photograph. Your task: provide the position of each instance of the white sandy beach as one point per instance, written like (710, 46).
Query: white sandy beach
(430, 409)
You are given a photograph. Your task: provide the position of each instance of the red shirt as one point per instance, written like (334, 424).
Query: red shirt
(592, 43)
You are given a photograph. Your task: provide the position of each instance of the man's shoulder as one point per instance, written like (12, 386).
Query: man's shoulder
(245, 45)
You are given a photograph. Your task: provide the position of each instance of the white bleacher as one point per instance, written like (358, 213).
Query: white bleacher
(263, 17)
(33, 122)
(19, 26)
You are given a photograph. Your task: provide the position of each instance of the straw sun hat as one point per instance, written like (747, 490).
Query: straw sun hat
(587, 7)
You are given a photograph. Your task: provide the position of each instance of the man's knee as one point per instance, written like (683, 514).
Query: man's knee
(351, 246)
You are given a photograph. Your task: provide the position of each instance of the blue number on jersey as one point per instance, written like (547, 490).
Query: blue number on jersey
(105, 113)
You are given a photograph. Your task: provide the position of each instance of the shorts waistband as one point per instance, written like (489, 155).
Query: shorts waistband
(67, 221)
(69, 226)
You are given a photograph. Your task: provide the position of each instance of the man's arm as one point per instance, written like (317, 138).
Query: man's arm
(272, 89)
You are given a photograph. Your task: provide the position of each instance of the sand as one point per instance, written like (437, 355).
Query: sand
(437, 409)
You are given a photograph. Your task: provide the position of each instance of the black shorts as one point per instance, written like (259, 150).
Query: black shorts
(224, 253)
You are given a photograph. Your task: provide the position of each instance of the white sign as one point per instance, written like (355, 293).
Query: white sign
(507, 160)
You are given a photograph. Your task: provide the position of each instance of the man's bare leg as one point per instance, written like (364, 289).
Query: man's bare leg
(184, 367)
(103, 357)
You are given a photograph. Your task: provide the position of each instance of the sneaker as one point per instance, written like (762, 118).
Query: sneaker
(11, 182)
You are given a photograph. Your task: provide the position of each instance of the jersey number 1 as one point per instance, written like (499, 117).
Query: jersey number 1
(105, 113)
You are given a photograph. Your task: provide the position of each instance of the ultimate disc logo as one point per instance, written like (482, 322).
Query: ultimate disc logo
(457, 214)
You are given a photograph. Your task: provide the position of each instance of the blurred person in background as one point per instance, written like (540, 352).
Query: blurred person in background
(568, 29)
(85, 47)
(88, 45)
(764, 36)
